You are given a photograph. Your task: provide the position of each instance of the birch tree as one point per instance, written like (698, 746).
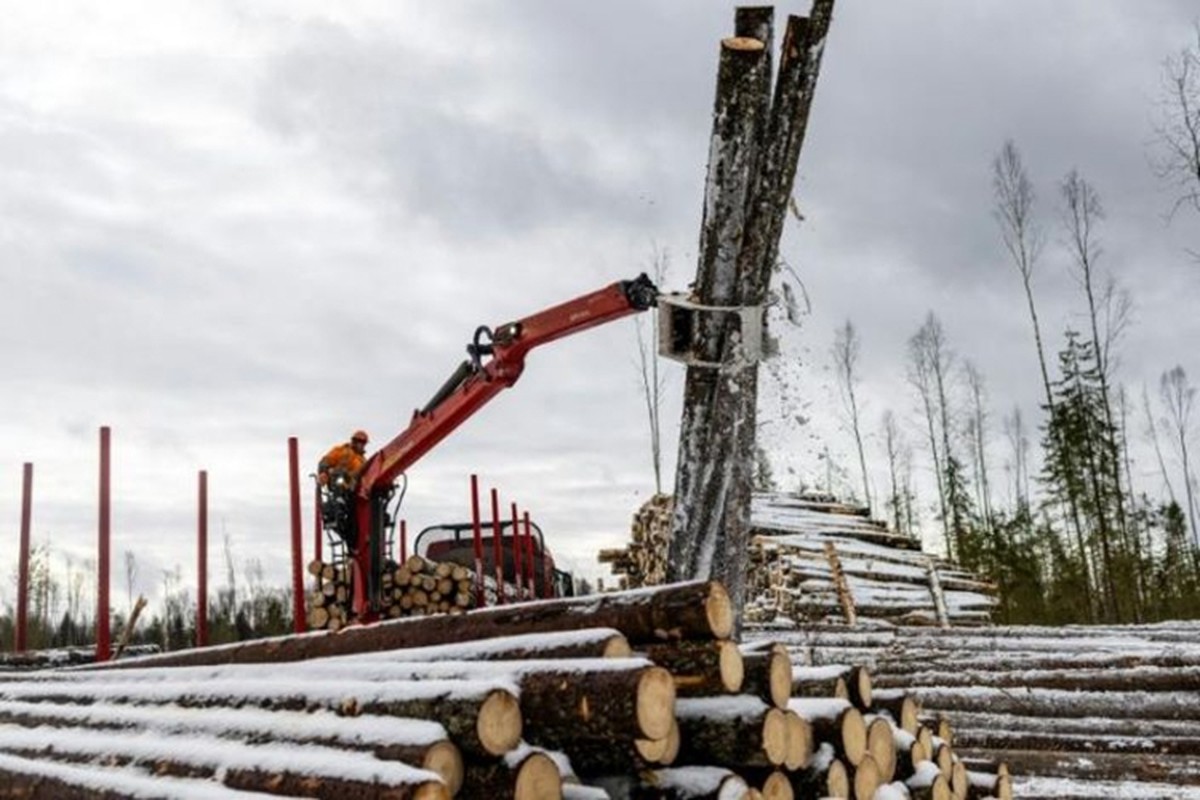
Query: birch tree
(1177, 142)
(845, 351)
(1178, 396)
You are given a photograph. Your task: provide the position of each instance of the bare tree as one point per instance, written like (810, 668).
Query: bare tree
(1177, 156)
(651, 381)
(899, 458)
(131, 571)
(845, 351)
(1151, 432)
(1018, 439)
(1178, 395)
(979, 427)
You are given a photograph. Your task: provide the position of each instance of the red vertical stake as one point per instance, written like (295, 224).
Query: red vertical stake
(403, 540)
(516, 548)
(103, 642)
(23, 569)
(298, 621)
(202, 561)
(529, 557)
(479, 596)
(318, 523)
(497, 553)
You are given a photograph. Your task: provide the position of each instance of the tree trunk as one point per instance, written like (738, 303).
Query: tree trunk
(737, 731)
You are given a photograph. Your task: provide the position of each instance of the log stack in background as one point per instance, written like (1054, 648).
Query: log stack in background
(1073, 711)
(515, 701)
(814, 559)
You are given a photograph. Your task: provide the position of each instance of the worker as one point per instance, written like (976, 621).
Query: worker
(347, 458)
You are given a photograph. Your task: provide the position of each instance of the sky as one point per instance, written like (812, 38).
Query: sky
(225, 224)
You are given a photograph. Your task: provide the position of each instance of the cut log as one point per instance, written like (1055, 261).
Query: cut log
(927, 782)
(533, 776)
(637, 703)
(866, 778)
(799, 742)
(690, 783)
(904, 708)
(881, 744)
(735, 731)
(836, 722)
(697, 610)
(700, 668)
(1179, 770)
(777, 787)
(1063, 703)
(1107, 679)
(826, 681)
(768, 675)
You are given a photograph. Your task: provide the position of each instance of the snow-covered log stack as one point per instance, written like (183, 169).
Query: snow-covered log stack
(803, 545)
(800, 547)
(418, 587)
(1076, 711)
(637, 694)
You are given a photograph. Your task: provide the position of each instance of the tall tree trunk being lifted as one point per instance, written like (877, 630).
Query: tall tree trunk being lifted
(755, 147)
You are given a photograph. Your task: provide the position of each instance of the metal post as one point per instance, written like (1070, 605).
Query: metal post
(23, 568)
(529, 552)
(479, 595)
(403, 540)
(497, 553)
(516, 545)
(318, 523)
(103, 641)
(298, 621)
(202, 562)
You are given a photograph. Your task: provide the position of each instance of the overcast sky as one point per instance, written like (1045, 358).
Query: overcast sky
(222, 224)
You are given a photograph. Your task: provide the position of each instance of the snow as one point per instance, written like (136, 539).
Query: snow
(1066, 788)
(126, 782)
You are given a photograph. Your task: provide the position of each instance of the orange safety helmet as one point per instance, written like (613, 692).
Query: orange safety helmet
(359, 436)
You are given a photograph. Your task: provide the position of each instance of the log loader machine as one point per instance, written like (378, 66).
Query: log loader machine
(364, 515)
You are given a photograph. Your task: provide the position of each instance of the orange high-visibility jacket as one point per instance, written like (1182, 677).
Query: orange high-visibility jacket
(341, 457)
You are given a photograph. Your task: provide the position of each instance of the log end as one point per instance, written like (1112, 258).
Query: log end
(775, 737)
(731, 666)
(662, 751)
(940, 789)
(866, 779)
(538, 779)
(777, 787)
(910, 710)
(860, 691)
(655, 703)
(446, 760)
(837, 780)
(499, 724)
(779, 678)
(617, 647)
(840, 690)
(718, 608)
(854, 736)
(800, 742)
(960, 782)
(431, 791)
(881, 745)
(744, 44)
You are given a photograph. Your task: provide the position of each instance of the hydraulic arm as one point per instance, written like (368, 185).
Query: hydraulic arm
(496, 360)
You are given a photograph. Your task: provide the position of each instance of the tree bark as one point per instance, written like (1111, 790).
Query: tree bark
(740, 731)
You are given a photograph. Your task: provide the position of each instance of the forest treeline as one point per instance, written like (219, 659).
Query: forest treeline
(1060, 525)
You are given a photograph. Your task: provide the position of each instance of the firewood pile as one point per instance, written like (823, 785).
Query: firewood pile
(639, 694)
(814, 559)
(1075, 711)
(418, 587)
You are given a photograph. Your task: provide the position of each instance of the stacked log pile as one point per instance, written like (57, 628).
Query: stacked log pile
(637, 694)
(1076, 711)
(418, 587)
(814, 559)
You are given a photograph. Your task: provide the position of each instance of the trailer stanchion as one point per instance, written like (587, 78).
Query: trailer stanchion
(497, 554)
(478, 531)
(21, 631)
(103, 642)
(202, 561)
(403, 540)
(318, 523)
(529, 553)
(298, 621)
(516, 548)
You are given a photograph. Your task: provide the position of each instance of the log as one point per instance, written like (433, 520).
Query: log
(690, 783)
(928, 783)
(836, 722)
(736, 731)
(560, 708)
(700, 668)
(697, 610)
(799, 742)
(1066, 729)
(1179, 770)
(825, 776)
(768, 675)
(1108, 679)
(826, 681)
(532, 776)
(903, 707)
(881, 745)
(777, 787)
(866, 778)
(1063, 703)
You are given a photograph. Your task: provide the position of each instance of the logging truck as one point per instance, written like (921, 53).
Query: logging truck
(496, 358)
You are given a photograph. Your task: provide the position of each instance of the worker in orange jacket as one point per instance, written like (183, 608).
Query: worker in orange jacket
(347, 458)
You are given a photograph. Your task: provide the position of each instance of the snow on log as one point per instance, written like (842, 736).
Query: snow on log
(696, 610)
(531, 776)
(701, 668)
